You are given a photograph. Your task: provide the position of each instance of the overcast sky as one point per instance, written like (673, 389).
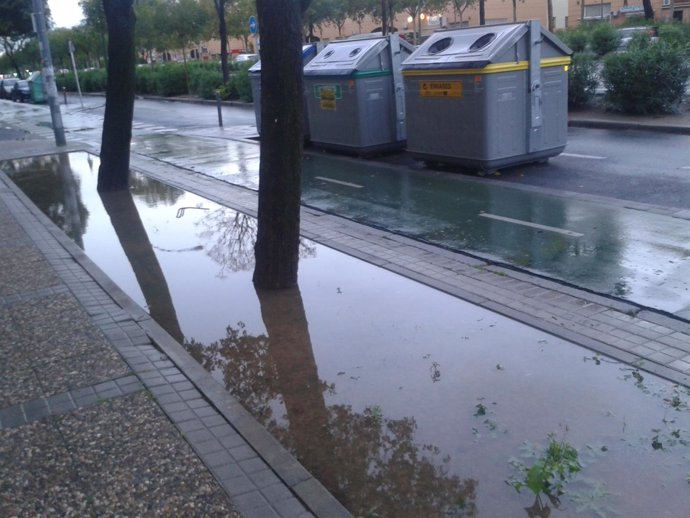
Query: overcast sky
(66, 13)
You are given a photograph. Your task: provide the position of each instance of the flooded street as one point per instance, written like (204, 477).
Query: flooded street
(402, 400)
(616, 249)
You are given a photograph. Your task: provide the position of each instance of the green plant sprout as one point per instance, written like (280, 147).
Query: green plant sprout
(551, 472)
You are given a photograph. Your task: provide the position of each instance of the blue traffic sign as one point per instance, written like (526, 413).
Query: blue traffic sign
(253, 25)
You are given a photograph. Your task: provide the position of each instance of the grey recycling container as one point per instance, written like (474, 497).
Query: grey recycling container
(308, 53)
(354, 94)
(488, 97)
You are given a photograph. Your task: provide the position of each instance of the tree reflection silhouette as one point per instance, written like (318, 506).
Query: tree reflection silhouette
(371, 463)
(135, 243)
(50, 183)
(233, 235)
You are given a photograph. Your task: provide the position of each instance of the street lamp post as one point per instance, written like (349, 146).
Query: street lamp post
(39, 22)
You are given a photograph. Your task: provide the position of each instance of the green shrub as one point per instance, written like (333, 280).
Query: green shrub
(241, 83)
(170, 80)
(676, 34)
(66, 81)
(604, 39)
(576, 39)
(93, 80)
(582, 80)
(646, 80)
(204, 81)
(146, 79)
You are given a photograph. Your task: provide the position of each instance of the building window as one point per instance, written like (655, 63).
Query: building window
(597, 11)
(666, 3)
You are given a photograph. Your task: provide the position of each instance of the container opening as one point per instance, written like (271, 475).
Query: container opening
(328, 54)
(355, 52)
(482, 41)
(440, 45)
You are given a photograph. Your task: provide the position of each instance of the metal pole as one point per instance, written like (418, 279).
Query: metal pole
(220, 114)
(39, 21)
(70, 46)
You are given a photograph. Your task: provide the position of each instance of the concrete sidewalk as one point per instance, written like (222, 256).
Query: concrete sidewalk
(104, 413)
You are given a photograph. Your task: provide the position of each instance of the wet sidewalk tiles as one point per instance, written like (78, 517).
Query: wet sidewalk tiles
(95, 419)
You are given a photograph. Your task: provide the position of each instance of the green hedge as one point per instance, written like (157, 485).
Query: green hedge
(168, 79)
(582, 80)
(648, 79)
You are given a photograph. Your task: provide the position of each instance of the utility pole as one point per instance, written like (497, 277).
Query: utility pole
(39, 21)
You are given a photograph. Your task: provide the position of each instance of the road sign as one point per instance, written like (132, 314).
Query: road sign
(253, 25)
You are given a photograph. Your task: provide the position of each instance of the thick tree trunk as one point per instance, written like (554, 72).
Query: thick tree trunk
(277, 243)
(482, 13)
(113, 173)
(648, 11)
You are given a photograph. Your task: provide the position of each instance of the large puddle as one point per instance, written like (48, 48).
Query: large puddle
(401, 400)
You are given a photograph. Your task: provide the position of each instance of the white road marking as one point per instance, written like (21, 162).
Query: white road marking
(590, 157)
(531, 225)
(346, 184)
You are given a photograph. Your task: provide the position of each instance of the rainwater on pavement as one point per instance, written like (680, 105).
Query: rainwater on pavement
(402, 400)
(633, 254)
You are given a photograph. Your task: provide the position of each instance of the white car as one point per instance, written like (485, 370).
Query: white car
(627, 33)
(246, 58)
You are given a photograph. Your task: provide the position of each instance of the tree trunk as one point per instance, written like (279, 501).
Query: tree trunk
(131, 233)
(648, 11)
(280, 190)
(223, 35)
(482, 13)
(113, 173)
(514, 11)
(549, 14)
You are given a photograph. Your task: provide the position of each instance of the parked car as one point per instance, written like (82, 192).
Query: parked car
(21, 91)
(628, 33)
(6, 87)
(246, 58)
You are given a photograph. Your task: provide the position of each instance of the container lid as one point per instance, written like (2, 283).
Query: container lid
(345, 57)
(308, 53)
(474, 47)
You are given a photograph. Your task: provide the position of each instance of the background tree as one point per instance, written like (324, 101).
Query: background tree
(648, 11)
(148, 34)
(460, 6)
(95, 22)
(318, 13)
(113, 173)
(280, 172)
(184, 23)
(238, 14)
(338, 15)
(16, 28)
(358, 10)
(217, 27)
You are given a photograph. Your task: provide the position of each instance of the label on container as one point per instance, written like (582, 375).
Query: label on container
(328, 92)
(440, 89)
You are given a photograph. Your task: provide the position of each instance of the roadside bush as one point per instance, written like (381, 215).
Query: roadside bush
(604, 39)
(170, 80)
(582, 80)
(675, 34)
(241, 83)
(576, 39)
(66, 81)
(93, 80)
(146, 78)
(205, 81)
(646, 80)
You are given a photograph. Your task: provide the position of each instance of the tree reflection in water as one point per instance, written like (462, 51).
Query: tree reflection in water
(369, 462)
(51, 185)
(231, 236)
